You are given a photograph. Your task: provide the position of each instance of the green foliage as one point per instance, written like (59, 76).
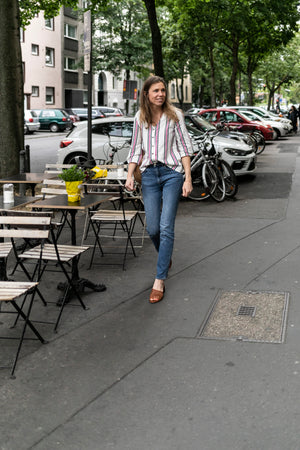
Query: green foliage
(30, 8)
(74, 173)
(122, 39)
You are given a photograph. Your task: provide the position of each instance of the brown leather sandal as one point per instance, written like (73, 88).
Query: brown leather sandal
(156, 296)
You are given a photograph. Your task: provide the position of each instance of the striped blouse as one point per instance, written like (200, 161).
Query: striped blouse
(167, 142)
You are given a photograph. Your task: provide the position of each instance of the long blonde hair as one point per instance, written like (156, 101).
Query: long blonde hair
(145, 109)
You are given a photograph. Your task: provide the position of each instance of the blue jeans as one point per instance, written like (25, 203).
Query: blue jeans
(162, 188)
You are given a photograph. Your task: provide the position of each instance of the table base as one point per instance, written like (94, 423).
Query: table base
(80, 285)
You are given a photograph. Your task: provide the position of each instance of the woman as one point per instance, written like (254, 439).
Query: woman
(162, 145)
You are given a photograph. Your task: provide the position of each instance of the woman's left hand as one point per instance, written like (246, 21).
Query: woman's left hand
(187, 188)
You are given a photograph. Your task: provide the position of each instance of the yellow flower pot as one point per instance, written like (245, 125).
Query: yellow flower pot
(73, 191)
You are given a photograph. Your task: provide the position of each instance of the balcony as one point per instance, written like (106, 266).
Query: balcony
(71, 44)
(71, 77)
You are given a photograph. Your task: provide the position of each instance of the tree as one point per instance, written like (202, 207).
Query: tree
(156, 38)
(122, 38)
(11, 89)
(280, 68)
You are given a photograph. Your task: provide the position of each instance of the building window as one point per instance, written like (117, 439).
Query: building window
(186, 93)
(85, 4)
(50, 95)
(22, 35)
(49, 57)
(70, 63)
(172, 90)
(35, 91)
(34, 49)
(85, 97)
(70, 31)
(49, 24)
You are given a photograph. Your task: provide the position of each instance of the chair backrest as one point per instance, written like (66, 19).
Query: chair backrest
(52, 187)
(24, 224)
(56, 168)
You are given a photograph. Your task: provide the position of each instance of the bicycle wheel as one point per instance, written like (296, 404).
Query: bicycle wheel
(199, 191)
(214, 182)
(231, 184)
(261, 143)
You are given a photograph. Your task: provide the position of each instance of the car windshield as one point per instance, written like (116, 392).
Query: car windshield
(200, 122)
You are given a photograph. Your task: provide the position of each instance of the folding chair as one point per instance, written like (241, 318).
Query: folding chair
(10, 292)
(59, 258)
(51, 188)
(106, 223)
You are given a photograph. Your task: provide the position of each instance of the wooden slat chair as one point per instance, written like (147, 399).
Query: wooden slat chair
(44, 256)
(51, 188)
(55, 169)
(10, 293)
(105, 223)
(5, 249)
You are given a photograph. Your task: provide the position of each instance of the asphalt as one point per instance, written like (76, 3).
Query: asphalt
(128, 375)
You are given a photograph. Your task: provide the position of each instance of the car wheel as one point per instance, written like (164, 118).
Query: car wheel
(276, 134)
(53, 127)
(79, 159)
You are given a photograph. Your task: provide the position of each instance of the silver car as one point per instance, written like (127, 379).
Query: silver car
(32, 122)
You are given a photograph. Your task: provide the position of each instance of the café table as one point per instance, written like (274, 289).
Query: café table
(60, 202)
(31, 178)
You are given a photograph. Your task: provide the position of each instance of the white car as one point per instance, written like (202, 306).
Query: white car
(32, 122)
(261, 112)
(280, 129)
(237, 153)
(75, 143)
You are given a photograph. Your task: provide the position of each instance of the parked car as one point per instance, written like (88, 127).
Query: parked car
(73, 116)
(107, 111)
(82, 113)
(32, 122)
(75, 144)
(238, 154)
(280, 129)
(235, 119)
(262, 112)
(54, 119)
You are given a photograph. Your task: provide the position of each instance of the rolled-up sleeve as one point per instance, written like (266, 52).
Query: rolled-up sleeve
(135, 153)
(183, 140)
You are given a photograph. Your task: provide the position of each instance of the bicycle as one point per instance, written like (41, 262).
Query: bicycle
(211, 176)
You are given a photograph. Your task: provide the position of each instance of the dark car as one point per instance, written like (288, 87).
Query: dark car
(236, 120)
(54, 119)
(83, 113)
(73, 116)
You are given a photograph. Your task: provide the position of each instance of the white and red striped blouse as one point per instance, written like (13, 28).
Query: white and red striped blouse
(167, 142)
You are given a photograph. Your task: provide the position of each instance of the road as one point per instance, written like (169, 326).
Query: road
(43, 149)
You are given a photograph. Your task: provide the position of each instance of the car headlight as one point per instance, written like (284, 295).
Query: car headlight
(237, 152)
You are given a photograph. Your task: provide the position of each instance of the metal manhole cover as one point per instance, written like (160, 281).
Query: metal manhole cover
(247, 316)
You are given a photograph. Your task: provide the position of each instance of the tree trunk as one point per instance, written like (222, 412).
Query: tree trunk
(235, 48)
(212, 78)
(11, 89)
(156, 38)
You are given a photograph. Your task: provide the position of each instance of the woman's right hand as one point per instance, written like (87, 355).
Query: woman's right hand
(129, 185)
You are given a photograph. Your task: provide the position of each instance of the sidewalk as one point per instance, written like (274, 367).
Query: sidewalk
(128, 375)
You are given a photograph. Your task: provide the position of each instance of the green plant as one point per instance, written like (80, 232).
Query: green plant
(74, 173)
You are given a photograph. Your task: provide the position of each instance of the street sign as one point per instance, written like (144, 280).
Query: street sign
(87, 40)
